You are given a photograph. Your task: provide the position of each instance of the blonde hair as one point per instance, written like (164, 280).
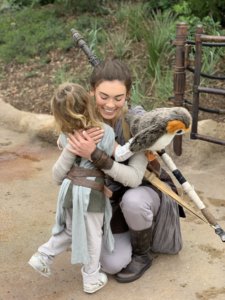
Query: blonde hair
(73, 108)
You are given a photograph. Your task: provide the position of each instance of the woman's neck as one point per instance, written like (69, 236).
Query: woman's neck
(110, 122)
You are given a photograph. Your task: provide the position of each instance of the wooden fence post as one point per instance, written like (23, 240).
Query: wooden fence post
(179, 76)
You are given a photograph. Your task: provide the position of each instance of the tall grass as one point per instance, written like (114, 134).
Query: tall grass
(120, 44)
(137, 95)
(133, 17)
(159, 31)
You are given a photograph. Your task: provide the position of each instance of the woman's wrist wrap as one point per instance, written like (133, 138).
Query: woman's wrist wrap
(101, 160)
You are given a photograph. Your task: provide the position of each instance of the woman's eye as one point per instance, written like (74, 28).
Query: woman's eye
(104, 97)
(118, 98)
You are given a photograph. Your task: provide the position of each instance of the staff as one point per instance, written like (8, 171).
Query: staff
(94, 61)
(192, 194)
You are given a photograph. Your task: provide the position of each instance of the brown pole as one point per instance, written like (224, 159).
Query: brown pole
(196, 81)
(179, 77)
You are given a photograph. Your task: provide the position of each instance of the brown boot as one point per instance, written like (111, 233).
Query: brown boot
(141, 260)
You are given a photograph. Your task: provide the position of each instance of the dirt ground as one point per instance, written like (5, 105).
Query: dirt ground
(28, 201)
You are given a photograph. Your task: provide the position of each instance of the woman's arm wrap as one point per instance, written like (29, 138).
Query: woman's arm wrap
(62, 165)
(101, 160)
(129, 175)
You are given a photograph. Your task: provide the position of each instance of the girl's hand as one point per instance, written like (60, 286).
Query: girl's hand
(95, 133)
(80, 143)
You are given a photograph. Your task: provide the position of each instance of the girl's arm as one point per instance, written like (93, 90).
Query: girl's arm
(66, 159)
(63, 165)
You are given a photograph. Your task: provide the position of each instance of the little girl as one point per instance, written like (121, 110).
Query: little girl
(83, 210)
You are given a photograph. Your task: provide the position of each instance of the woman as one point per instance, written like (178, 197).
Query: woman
(141, 204)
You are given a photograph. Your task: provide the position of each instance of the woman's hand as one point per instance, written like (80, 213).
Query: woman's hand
(80, 143)
(95, 133)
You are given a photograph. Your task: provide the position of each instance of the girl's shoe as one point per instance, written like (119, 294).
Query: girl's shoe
(40, 263)
(94, 281)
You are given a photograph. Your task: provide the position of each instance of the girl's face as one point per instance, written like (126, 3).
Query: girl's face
(110, 97)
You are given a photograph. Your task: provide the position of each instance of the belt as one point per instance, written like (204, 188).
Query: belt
(78, 176)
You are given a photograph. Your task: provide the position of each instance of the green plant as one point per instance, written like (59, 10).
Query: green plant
(161, 5)
(82, 6)
(137, 95)
(156, 76)
(93, 29)
(133, 17)
(92, 36)
(64, 74)
(41, 33)
(185, 14)
(164, 88)
(159, 31)
(215, 9)
(211, 57)
(191, 13)
(120, 44)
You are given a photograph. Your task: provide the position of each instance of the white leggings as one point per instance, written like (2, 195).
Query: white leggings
(61, 242)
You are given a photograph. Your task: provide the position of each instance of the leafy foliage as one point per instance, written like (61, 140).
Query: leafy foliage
(184, 10)
(140, 32)
(41, 33)
(215, 9)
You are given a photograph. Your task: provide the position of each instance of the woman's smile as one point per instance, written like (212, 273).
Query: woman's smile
(110, 97)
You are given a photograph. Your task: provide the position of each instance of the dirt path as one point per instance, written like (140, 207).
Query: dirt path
(27, 208)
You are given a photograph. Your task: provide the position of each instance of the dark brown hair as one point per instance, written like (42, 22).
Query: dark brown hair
(109, 70)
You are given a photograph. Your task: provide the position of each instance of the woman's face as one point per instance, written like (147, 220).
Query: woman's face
(110, 97)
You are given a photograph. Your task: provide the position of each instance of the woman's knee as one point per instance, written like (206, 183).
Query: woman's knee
(130, 201)
(139, 206)
(140, 199)
(114, 262)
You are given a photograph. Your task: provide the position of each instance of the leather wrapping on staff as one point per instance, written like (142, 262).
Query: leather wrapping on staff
(209, 216)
